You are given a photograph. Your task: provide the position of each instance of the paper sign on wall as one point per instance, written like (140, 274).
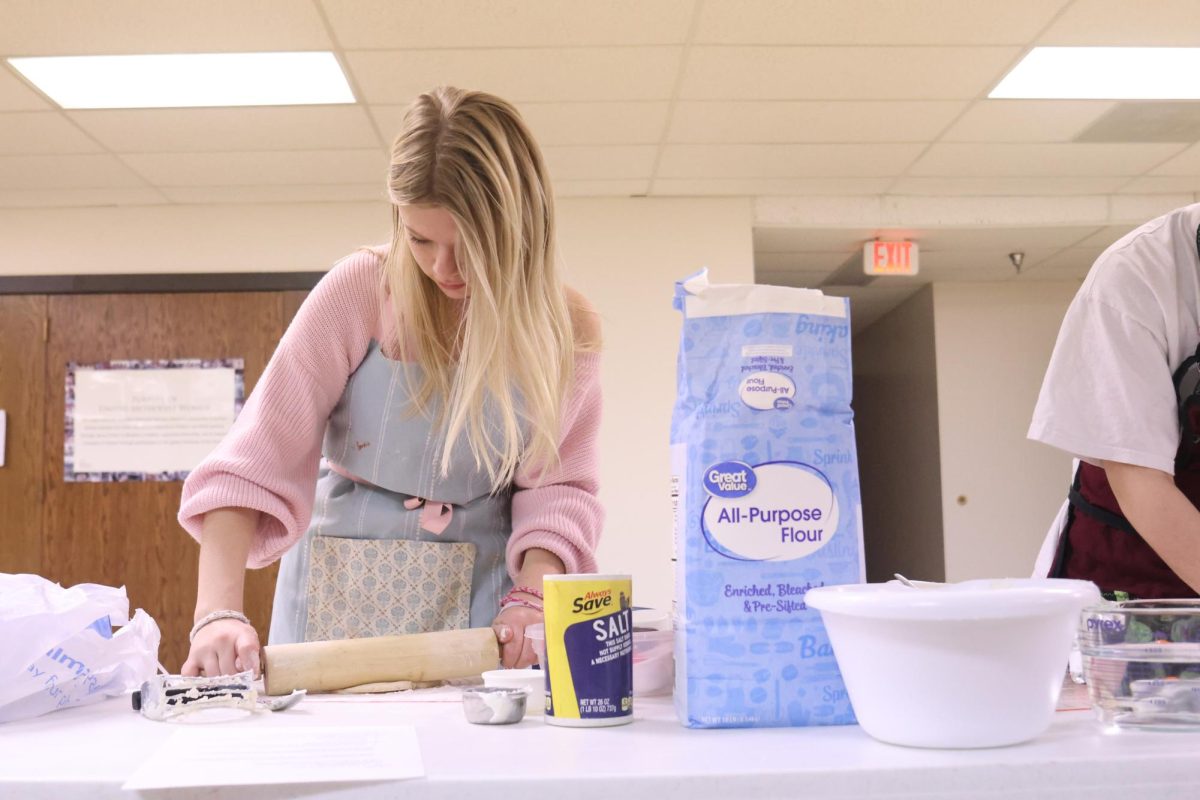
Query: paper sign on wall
(150, 420)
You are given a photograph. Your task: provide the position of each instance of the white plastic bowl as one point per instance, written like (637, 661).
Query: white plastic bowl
(972, 664)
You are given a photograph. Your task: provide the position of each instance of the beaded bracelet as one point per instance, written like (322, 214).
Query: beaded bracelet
(529, 590)
(213, 617)
(509, 602)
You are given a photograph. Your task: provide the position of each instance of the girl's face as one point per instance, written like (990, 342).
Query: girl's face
(432, 234)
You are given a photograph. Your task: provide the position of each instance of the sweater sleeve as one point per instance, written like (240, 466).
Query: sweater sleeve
(557, 510)
(269, 459)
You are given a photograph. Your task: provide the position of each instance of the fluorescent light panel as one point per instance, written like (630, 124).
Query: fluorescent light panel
(180, 80)
(1104, 73)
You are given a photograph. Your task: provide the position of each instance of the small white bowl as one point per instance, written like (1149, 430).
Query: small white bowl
(533, 681)
(972, 664)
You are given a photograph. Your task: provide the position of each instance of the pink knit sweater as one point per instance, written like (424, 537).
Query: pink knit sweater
(269, 459)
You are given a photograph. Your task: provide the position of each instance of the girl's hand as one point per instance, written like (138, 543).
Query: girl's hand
(223, 647)
(509, 625)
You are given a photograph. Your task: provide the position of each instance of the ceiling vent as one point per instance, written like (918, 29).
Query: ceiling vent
(1146, 121)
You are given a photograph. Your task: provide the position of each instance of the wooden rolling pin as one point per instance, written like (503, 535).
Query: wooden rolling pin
(342, 663)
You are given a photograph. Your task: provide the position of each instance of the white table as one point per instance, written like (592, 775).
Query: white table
(89, 752)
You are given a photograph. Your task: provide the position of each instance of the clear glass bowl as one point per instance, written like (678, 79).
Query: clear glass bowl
(1141, 661)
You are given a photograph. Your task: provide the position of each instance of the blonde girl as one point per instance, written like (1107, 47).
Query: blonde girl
(421, 448)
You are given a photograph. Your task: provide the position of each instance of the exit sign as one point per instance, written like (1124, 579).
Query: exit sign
(890, 258)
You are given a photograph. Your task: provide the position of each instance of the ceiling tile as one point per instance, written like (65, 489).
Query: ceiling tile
(1004, 187)
(311, 193)
(596, 123)
(1025, 239)
(977, 264)
(1040, 160)
(1146, 121)
(769, 122)
(822, 263)
(15, 94)
(1163, 23)
(785, 161)
(931, 240)
(866, 22)
(1186, 163)
(1104, 237)
(799, 279)
(180, 130)
(422, 24)
(1134, 209)
(520, 75)
(42, 132)
(1026, 120)
(843, 73)
(97, 27)
(602, 188)
(762, 187)
(1160, 184)
(570, 123)
(810, 240)
(259, 169)
(600, 163)
(1069, 264)
(66, 172)
(937, 273)
(79, 198)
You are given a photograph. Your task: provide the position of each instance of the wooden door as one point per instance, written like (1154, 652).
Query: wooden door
(126, 533)
(22, 397)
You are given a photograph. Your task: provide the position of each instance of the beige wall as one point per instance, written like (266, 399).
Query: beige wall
(298, 237)
(944, 388)
(896, 422)
(993, 343)
(624, 254)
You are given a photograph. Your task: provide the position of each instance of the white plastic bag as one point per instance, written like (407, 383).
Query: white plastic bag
(60, 649)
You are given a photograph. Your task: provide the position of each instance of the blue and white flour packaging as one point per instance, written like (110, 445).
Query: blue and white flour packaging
(765, 479)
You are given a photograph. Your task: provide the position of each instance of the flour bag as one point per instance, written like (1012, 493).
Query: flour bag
(765, 479)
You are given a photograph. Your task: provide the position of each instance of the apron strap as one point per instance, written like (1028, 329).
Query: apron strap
(1095, 512)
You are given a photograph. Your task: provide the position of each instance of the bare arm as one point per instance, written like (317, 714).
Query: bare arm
(228, 533)
(537, 564)
(1162, 514)
(226, 646)
(510, 624)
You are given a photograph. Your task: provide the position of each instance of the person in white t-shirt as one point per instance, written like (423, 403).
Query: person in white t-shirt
(1122, 395)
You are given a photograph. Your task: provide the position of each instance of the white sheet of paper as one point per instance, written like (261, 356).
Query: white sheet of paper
(150, 420)
(224, 755)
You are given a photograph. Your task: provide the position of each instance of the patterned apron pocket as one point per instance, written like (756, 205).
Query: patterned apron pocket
(386, 587)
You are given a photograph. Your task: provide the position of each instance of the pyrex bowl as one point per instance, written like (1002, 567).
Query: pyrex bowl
(653, 657)
(1141, 661)
(972, 664)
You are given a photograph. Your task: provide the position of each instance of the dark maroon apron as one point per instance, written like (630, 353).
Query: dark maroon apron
(1098, 543)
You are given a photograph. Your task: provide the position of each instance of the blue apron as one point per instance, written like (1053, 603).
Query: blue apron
(399, 549)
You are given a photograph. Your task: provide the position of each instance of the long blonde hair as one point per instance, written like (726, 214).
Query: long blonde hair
(510, 349)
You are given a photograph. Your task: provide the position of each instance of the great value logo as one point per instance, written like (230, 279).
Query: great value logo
(730, 479)
(777, 511)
